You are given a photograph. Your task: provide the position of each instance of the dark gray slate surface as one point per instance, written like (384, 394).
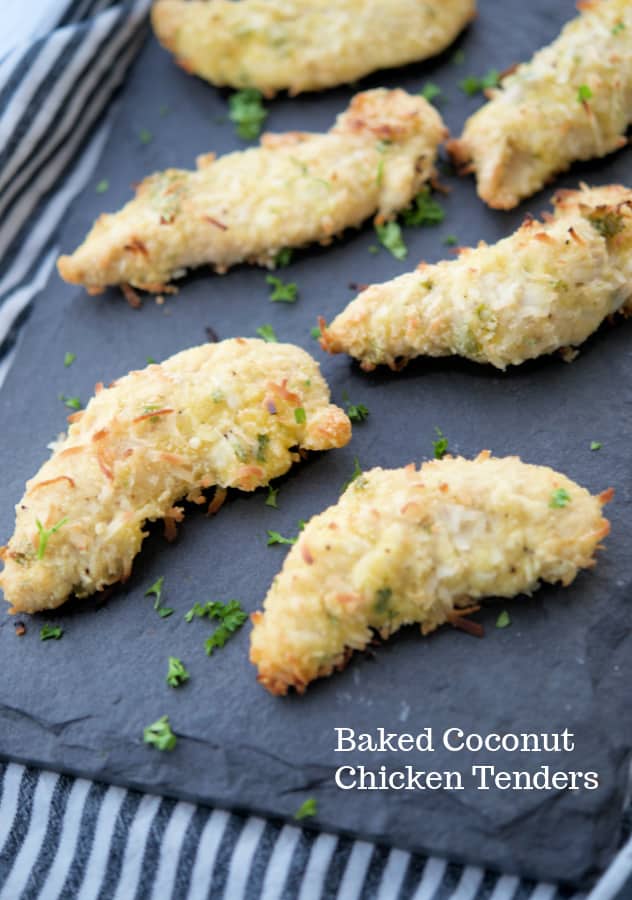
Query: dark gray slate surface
(80, 704)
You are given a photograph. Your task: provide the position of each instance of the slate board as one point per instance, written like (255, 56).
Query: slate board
(80, 704)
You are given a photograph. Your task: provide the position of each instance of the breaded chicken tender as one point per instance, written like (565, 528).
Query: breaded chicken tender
(233, 414)
(304, 45)
(545, 288)
(573, 101)
(406, 546)
(295, 189)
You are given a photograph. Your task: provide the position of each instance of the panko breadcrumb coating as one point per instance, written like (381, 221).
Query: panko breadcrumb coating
(406, 546)
(217, 415)
(572, 101)
(546, 287)
(295, 189)
(304, 45)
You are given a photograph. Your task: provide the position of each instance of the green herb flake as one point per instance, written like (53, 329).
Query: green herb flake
(45, 533)
(262, 446)
(373, 249)
(71, 402)
(156, 589)
(559, 498)
(299, 415)
(424, 211)
(69, 359)
(151, 361)
(458, 58)
(232, 617)
(145, 136)
(247, 112)
(430, 91)
(271, 499)
(282, 293)
(595, 445)
(283, 258)
(160, 735)
(450, 240)
(357, 412)
(267, 333)
(177, 673)
(608, 224)
(390, 236)
(618, 28)
(306, 810)
(356, 476)
(50, 632)
(315, 332)
(382, 600)
(470, 85)
(275, 538)
(102, 186)
(584, 93)
(440, 446)
(503, 619)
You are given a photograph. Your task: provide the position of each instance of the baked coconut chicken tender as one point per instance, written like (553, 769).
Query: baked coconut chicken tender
(572, 101)
(304, 45)
(420, 546)
(293, 190)
(221, 415)
(545, 288)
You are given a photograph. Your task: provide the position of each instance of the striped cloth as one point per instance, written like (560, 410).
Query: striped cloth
(71, 839)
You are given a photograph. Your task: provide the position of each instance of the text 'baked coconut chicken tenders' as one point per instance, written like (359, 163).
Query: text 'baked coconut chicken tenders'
(233, 414)
(304, 45)
(406, 546)
(572, 101)
(547, 287)
(295, 189)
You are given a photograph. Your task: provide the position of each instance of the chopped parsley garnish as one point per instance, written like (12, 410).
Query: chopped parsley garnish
(390, 236)
(458, 58)
(584, 93)
(145, 136)
(45, 533)
(283, 258)
(282, 293)
(559, 498)
(156, 590)
(618, 28)
(71, 402)
(306, 810)
(50, 632)
(472, 85)
(247, 112)
(267, 333)
(271, 499)
(299, 415)
(275, 538)
(231, 616)
(357, 412)
(503, 619)
(430, 91)
(151, 361)
(69, 359)
(315, 332)
(440, 446)
(595, 445)
(177, 674)
(160, 735)
(450, 240)
(608, 223)
(423, 211)
(102, 186)
(356, 476)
